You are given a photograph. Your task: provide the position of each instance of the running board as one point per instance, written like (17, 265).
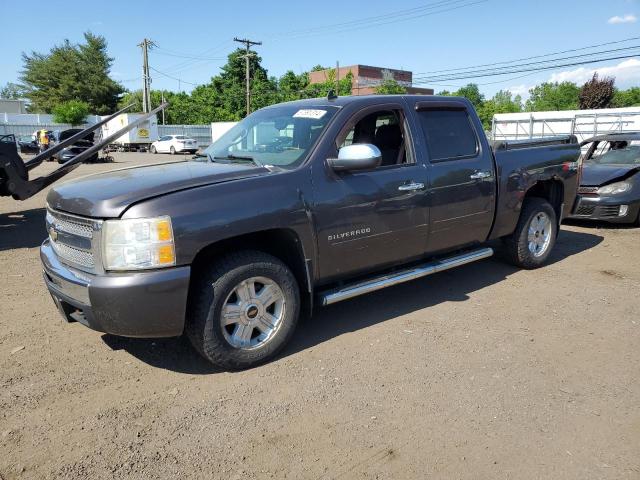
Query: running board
(384, 281)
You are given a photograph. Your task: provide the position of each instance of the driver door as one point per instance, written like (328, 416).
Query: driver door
(366, 220)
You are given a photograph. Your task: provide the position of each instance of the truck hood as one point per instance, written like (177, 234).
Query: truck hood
(108, 195)
(596, 175)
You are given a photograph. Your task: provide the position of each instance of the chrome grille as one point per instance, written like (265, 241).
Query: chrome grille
(74, 239)
(80, 229)
(74, 255)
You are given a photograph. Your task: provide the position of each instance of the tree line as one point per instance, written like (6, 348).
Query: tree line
(73, 80)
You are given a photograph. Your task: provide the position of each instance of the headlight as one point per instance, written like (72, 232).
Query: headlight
(139, 243)
(614, 188)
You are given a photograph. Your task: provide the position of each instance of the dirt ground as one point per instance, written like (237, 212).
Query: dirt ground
(484, 372)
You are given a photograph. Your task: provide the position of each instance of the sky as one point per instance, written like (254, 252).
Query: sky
(194, 37)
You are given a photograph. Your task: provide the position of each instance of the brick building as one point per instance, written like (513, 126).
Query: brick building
(366, 78)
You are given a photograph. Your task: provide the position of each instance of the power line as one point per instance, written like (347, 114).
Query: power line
(531, 58)
(172, 77)
(509, 68)
(191, 57)
(538, 69)
(329, 30)
(186, 64)
(350, 23)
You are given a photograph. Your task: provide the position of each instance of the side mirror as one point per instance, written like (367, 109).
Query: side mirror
(359, 156)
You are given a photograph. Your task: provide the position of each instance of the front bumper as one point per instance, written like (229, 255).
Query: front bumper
(608, 209)
(141, 304)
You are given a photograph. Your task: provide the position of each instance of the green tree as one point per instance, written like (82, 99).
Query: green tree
(71, 72)
(597, 93)
(553, 96)
(72, 111)
(472, 93)
(12, 91)
(501, 102)
(626, 98)
(390, 87)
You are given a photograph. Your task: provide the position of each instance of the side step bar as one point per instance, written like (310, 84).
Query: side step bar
(378, 283)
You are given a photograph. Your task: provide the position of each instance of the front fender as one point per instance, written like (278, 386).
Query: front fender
(205, 215)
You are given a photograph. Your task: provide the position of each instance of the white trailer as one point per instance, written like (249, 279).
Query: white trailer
(220, 128)
(137, 139)
(582, 123)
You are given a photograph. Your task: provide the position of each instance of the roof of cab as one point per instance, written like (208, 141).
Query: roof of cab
(364, 99)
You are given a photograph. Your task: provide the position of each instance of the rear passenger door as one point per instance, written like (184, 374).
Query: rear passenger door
(462, 181)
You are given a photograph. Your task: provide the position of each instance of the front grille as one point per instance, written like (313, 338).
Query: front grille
(608, 210)
(74, 255)
(585, 210)
(598, 211)
(74, 239)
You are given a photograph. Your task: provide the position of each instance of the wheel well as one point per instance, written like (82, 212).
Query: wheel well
(550, 190)
(283, 244)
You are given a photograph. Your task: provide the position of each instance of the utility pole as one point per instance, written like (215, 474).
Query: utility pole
(337, 78)
(247, 74)
(163, 108)
(146, 78)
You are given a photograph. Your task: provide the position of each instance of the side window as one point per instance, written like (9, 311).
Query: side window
(449, 134)
(386, 130)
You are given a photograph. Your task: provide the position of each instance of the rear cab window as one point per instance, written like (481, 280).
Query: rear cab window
(449, 133)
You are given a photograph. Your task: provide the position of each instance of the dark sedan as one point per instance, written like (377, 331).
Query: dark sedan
(28, 144)
(610, 182)
(77, 148)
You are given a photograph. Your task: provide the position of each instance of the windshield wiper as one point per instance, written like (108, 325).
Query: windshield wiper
(242, 158)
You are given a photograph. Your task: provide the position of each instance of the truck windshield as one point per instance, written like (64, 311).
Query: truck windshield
(279, 136)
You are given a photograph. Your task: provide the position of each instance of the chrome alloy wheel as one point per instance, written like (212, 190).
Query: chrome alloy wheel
(252, 313)
(539, 235)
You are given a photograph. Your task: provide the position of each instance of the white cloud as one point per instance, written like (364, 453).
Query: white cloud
(626, 73)
(522, 90)
(628, 18)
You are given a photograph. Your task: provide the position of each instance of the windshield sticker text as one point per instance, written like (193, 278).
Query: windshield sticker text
(309, 113)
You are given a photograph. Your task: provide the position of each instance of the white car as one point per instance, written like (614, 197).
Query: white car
(174, 144)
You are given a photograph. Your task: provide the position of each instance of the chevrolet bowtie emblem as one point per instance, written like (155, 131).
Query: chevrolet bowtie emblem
(53, 233)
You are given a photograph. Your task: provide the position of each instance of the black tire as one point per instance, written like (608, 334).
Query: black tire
(517, 249)
(208, 295)
(153, 150)
(172, 150)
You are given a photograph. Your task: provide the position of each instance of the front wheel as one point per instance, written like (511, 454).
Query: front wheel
(153, 150)
(535, 236)
(172, 151)
(243, 309)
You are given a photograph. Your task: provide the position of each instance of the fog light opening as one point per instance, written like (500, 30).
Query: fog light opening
(624, 209)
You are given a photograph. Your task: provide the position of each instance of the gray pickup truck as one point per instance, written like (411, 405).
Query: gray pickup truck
(301, 203)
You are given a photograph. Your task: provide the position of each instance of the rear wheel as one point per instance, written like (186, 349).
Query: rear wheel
(172, 150)
(535, 236)
(243, 309)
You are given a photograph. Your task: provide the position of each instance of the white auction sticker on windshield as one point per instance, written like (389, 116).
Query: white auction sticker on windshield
(309, 113)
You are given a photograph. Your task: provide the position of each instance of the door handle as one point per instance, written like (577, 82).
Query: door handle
(478, 175)
(411, 186)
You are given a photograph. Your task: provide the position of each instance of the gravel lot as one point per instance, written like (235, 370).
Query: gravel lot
(484, 372)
